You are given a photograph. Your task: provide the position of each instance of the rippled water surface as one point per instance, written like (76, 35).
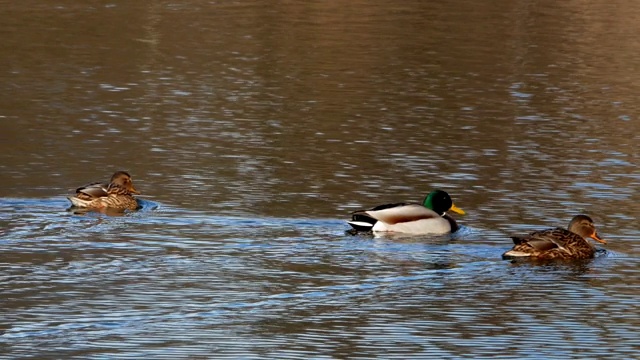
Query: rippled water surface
(253, 129)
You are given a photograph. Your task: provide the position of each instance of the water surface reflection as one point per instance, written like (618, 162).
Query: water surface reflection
(254, 128)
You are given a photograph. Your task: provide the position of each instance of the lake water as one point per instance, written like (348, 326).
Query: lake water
(253, 129)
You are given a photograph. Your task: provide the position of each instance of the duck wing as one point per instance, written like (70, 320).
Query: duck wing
(388, 206)
(545, 240)
(401, 212)
(92, 191)
(364, 220)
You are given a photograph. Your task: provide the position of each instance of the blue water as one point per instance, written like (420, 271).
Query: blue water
(253, 128)
(166, 282)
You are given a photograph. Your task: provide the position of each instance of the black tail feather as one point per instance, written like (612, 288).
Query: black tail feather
(361, 221)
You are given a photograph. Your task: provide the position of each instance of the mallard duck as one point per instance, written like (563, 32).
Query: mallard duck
(117, 195)
(430, 217)
(558, 243)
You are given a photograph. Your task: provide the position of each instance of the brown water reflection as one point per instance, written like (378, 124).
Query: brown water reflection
(253, 128)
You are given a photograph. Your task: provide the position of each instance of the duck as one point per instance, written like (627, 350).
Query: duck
(558, 243)
(430, 217)
(116, 195)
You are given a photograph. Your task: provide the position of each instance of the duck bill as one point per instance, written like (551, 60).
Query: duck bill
(133, 190)
(457, 210)
(597, 238)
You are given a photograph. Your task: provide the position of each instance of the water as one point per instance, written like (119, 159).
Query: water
(253, 128)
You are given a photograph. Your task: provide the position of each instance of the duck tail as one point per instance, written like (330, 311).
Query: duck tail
(517, 240)
(360, 225)
(361, 221)
(78, 202)
(513, 254)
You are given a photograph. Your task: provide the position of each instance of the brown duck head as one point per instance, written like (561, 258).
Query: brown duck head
(123, 179)
(583, 226)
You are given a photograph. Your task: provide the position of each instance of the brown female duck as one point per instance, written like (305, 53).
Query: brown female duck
(558, 243)
(117, 195)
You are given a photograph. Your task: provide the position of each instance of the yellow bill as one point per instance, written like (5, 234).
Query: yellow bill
(456, 209)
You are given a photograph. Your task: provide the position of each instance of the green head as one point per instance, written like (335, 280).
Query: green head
(440, 202)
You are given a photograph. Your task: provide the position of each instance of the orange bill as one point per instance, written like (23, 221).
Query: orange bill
(597, 238)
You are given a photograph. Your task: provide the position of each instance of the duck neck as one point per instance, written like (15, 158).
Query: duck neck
(452, 222)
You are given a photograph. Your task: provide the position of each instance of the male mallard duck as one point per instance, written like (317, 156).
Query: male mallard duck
(117, 195)
(558, 243)
(427, 218)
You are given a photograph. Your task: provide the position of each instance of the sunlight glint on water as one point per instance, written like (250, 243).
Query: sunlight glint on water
(253, 129)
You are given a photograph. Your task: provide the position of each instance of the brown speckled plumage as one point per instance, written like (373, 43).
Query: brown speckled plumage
(558, 243)
(117, 195)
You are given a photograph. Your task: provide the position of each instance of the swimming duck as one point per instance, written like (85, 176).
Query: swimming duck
(558, 243)
(117, 195)
(430, 217)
